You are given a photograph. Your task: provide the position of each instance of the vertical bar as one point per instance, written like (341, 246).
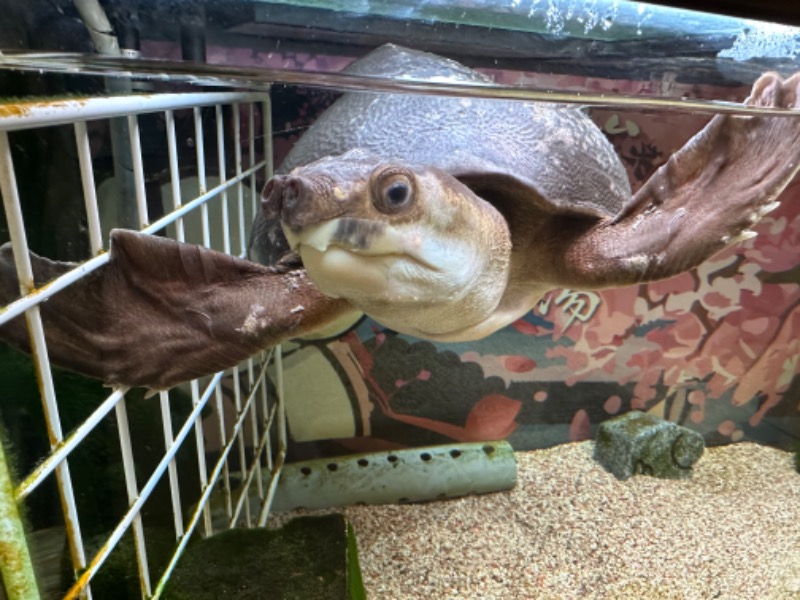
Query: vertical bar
(251, 133)
(280, 416)
(133, 493)
(226, 234)
(201, 457)
(174, 488)
(16, 567)
(19, 242)
(265, 413)
(223, 440)
(281, 399)
(89, 193)
(201, 172)
(274, 465)
(251, 149)
(16, 226)
(237, 135)
(174, 172)
(237, 394)
(266, 125)
(138, 170)
(254, 426)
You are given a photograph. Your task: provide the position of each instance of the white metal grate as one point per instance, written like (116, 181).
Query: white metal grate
(258, 434)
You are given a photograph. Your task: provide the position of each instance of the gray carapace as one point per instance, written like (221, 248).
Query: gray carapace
(441, 217)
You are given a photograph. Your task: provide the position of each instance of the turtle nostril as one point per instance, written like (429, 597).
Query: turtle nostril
(267, 192)
(295, 191)
(291, 190)
(271, 198)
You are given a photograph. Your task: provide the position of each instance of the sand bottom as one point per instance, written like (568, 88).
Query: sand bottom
(571, 530)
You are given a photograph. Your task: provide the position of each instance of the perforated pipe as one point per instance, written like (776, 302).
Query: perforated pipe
(415, 475)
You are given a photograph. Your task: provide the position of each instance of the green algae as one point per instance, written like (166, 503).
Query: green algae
(310, 558)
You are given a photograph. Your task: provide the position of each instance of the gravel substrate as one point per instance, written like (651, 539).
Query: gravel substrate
(571, 530)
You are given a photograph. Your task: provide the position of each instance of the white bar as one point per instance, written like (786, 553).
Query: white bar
(174, 172)
(281, 399)
(252, 151)
(226, 476)
(66, 112)
(203, 502)
(138, 169)
(89, 192)
(99, 558)
(199, 201)
(62, 450)
(244, 496)
(265, 411)
(129, 468)
(281, 418)
(199, 145)
(16, 226)
(258, 448)
(18, 307)
(19, 242)
(174, 488)
(237, 395)
(237, 159)
(201, 452)
(266, 126)
(34, 297)
(226, 234)
(254, 420)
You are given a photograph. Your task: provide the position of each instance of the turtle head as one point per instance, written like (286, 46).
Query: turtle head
(409, 245)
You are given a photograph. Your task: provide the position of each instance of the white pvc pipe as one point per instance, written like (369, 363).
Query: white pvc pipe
(40, 113)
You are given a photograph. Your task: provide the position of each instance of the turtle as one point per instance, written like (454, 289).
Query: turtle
(441, 217)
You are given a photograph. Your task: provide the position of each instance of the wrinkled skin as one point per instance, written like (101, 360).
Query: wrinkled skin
(161, 312)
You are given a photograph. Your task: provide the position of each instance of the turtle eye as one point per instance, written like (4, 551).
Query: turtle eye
(397, 194)
(394, 194)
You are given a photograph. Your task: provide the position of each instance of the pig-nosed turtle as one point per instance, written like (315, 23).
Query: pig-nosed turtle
(449, 218)
(442, 217)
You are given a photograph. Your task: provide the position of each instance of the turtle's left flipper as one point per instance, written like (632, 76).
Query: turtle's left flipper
(162, 312)
(708, 195)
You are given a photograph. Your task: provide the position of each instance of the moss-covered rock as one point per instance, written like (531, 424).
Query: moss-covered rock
(310, 558)
(638, 443)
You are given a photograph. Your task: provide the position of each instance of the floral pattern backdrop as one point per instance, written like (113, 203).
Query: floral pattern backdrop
(715, 349)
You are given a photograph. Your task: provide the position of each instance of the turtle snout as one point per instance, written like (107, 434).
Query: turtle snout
(288, 198)
(300, 200)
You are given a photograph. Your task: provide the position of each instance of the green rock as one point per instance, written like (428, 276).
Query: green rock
(637, 443)
(310, 558)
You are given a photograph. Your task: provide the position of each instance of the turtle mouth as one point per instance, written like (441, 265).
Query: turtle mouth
(359, 236)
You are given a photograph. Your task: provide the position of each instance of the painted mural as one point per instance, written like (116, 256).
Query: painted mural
(715, 349)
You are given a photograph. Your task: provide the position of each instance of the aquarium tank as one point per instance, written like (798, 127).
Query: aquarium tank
(162, 121)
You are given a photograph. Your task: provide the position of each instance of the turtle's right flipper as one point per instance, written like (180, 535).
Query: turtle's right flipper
(161, 312)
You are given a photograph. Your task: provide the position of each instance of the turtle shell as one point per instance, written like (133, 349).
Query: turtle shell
(509, 152)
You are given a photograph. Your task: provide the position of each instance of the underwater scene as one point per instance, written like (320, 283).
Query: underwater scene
(493, 240)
